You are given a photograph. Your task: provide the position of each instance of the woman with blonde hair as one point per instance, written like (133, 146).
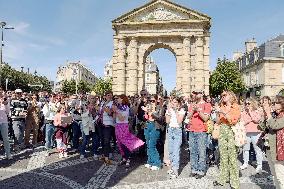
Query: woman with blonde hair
(228, 115)
(250, 116)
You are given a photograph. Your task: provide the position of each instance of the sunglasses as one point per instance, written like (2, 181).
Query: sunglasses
(143, 94)
(152, 101)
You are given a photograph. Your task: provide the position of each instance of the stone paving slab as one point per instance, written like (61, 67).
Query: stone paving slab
(33, 170)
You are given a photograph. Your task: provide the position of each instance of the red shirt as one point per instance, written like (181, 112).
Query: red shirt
(196, 123)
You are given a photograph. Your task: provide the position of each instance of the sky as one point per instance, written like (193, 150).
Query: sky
(49, 33)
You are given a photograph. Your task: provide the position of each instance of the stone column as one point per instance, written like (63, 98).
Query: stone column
(141, 68)
(206, 63)
(199, 65)
(114, 65)
(192, 63)
(186, 66)
(132, 72)
(120, 67)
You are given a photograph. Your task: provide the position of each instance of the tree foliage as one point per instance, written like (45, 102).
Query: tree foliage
(69, 87)
(21, 80)
(226, 76)
(102, 85)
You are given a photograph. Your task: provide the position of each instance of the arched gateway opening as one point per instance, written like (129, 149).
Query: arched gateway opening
(161, 24)
(160, 69)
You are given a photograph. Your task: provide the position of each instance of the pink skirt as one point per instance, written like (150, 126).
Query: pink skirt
(123, 136)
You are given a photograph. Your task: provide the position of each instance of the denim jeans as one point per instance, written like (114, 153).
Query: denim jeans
(152, 135)
(86, 139)
(76, 132)
(4, 134)
(197, 144)
(49, 131)
(252, 138)
(19, 129)
(174, 143)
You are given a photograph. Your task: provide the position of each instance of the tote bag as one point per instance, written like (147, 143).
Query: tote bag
(240, 134)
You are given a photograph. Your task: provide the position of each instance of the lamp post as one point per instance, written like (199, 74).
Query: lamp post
(2, 25)
(75, 76)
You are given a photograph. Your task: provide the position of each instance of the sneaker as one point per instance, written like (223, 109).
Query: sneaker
(147, 166)
(122, 162)
(65, 154)
(155, 168)
(82, 156)
(9, 157)
(170, 171)
(96, 157)
(60, 155)
(127, 164)
(173, 175)
(258, 169)
(244, 166)
(47, 154)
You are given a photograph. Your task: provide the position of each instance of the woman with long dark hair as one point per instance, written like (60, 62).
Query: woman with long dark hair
(126, 141)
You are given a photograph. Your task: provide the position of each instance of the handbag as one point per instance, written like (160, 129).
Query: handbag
(280, 144)
(209, 126)
(216, 131)
(240, 134)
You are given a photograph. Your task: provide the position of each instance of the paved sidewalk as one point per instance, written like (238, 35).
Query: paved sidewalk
(51, 172)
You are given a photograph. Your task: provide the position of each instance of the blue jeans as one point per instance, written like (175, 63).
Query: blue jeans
(152, 135)
(49, 131)
(19, 129)
(197, 142)
(86, 139)
(174, 143)
(76, 132)
(4, 134)
(252, 138)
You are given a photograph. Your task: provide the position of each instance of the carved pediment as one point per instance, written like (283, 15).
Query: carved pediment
(161, 10)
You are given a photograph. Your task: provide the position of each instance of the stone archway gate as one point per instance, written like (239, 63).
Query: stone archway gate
(161, 24)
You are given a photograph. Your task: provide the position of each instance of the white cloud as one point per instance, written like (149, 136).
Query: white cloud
(21, 28)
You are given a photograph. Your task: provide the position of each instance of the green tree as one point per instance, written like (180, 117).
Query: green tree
(17, 79)
(69, 87)
(226, 76)
(102, 85)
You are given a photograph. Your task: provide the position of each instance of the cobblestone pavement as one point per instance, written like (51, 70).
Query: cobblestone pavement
(32, 169)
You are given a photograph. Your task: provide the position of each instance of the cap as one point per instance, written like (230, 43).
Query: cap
(18, 91)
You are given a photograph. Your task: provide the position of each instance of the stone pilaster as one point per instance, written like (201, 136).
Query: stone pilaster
(206, 63)
(141, 68)
(120, 67)
(199, 65)
(192, 62)
(186, 66)
(114, 64)
(132, 72)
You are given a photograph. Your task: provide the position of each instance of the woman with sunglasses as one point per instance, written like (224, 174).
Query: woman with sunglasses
(228, 115)
(152, 134)
(275, 128)
(250, 116)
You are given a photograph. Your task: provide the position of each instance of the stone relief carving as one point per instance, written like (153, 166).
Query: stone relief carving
(161, 14)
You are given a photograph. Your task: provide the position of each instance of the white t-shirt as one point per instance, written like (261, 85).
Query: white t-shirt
(108, 120)
(124, 114)
(173, 119)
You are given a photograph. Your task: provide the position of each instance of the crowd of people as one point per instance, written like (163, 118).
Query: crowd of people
(153, 125)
